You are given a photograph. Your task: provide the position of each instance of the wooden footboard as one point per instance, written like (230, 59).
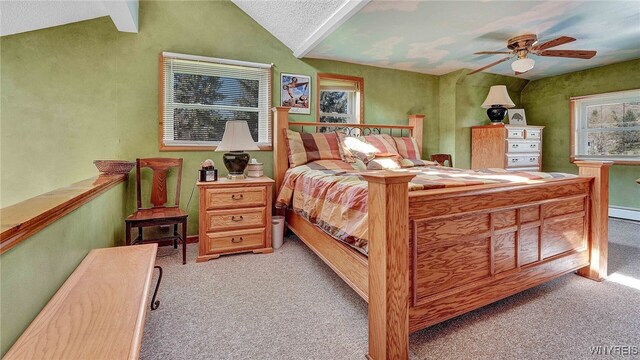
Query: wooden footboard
(471, 246)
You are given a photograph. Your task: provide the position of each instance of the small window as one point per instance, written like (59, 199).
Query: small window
(340, 99)
(199, 95)
(606, 127)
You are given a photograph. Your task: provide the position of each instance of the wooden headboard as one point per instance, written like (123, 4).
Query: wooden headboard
(281, 122)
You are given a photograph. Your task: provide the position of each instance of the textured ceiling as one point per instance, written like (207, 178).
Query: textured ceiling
(291, 21)
(21, 16)
(437, 37)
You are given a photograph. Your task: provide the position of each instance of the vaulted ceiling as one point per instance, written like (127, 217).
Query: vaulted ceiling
(17, 16)
(437, 37)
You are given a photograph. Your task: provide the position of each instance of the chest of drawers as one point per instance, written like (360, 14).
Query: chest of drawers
(511, 147)
(235, 216)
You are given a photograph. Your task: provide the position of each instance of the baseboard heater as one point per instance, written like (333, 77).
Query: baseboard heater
(624, 213)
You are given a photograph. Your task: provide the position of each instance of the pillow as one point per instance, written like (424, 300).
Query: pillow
(305, 147)
(336, 165)
(383, 163)
(407, 163)
(407, 147)
(367, 147)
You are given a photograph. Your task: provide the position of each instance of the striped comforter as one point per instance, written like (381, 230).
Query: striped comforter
(333, 195)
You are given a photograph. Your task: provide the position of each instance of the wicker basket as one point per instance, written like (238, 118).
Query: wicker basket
(114, 166)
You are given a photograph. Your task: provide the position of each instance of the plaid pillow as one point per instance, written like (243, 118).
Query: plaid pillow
(354, 148)
(305, 147)
(407, 147)
(384, 144)
(383, 163)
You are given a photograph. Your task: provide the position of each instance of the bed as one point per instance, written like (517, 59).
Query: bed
(437, 253)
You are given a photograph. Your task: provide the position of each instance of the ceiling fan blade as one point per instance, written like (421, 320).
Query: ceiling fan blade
(490, 65)
(491, 52)
(576, 54)
(555, 42)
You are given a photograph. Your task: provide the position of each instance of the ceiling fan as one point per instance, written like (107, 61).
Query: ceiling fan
(527, 44)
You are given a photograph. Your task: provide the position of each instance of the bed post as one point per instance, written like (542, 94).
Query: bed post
(280, 157)
(598, 218)
(388, 203)
(417, 121)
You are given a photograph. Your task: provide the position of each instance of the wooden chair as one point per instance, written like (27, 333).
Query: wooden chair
(442, 159)
(159, 213)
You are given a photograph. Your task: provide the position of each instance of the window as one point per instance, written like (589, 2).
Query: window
(606, 126)
(199, 94)
(340, 98)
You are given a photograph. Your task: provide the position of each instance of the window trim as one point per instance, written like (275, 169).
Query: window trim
(573, 131)
(164, 147)
(359, 116)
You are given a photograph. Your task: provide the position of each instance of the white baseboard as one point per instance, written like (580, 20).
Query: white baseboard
(624, 213)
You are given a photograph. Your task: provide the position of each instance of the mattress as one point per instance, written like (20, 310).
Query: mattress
(333, 194)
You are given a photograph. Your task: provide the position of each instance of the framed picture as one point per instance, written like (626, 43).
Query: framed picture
(296, 93)
(516, 117)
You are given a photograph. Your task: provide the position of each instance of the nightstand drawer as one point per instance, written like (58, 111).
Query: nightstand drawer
(218, 220)
(236, 197)
(519, 146)
(235, 240)
(522, 160)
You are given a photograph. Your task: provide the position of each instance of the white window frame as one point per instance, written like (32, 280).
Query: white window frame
(242, 69)
(580, 129)
(352, 105)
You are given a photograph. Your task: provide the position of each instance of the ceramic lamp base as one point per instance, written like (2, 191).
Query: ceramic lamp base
(236, 162)
(496, 114)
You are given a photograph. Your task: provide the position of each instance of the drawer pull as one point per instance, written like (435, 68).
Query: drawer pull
(233, 240)
(236, 219)
(515, 146)
(532, 159)
(236, 196)
(532, 146)
(514, 160)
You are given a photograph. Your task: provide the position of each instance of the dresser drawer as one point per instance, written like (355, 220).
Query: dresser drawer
(515, 133)
(236, 197)
(533, 133)
(235, 240)
(219, 220)
(522, 160)
(519, 146)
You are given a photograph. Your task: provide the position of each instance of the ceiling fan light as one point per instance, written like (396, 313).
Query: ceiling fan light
(523, 65)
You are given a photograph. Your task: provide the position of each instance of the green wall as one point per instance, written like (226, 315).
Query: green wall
(461, 96)
(546, 102)
(32, 271)
(96, 91)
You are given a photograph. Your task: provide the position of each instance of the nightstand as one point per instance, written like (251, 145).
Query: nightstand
(235, 217)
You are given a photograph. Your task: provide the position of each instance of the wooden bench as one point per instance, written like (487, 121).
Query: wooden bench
(98, 313)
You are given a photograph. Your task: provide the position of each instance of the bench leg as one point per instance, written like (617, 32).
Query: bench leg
(155, 303)
(128, 234)
(175, 233)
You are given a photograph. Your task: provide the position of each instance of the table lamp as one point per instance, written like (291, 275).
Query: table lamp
(236, 139)
(497, 103)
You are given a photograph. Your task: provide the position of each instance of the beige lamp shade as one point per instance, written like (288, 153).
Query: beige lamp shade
(237, 137)
(498, 95)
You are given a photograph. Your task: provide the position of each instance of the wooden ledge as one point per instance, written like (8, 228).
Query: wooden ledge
(26, 218)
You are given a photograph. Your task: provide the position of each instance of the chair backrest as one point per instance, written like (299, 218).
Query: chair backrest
(160, 168)
(442, 159)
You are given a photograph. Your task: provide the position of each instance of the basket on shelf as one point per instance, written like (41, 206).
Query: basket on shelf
(114, 166)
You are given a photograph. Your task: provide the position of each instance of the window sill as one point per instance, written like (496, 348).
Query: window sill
(613, 160)
(204, 148)
(21, 220)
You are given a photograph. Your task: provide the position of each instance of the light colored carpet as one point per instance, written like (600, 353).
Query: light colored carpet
(290, 305)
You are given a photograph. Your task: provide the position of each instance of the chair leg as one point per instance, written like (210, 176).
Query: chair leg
(184, 241)
(139, 238)
(175, 233)
(127, 233)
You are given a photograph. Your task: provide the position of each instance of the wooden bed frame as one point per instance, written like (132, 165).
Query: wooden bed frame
(436, 254)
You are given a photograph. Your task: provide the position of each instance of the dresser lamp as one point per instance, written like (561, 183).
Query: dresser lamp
(236, 139)
(497, 103)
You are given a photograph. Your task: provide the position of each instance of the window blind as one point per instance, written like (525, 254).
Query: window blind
(201, 94)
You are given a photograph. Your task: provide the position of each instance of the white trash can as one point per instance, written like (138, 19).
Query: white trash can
(277, 231)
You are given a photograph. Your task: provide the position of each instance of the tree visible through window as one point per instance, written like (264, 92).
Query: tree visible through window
(607, 126)
(200, 97)
(340, 99)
